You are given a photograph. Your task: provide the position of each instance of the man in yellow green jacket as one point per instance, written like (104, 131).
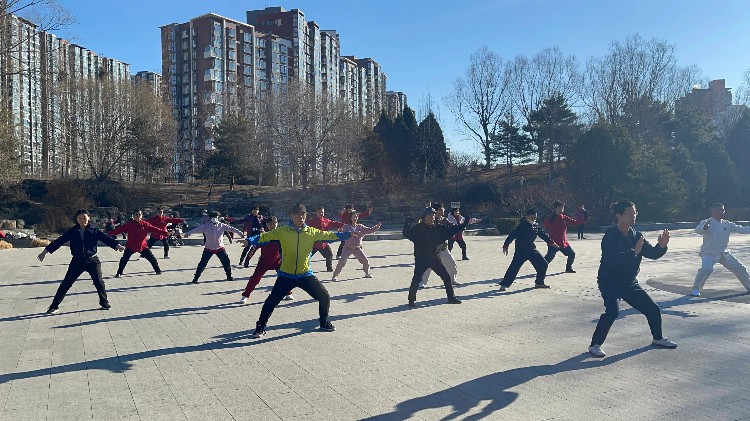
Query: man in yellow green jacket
(296, 243)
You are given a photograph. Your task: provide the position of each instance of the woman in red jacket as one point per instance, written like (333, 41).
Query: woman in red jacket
(161, 221)
(137, 230)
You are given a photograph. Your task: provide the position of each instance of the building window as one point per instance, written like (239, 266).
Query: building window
(248, 58)
(247, 37)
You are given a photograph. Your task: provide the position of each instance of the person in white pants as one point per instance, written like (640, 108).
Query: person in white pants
(446, 258)
(716, 231)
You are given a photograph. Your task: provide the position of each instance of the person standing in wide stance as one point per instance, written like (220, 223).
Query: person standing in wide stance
(623, 248)
(322, 223)
(557, 226)
(296, 242)
(524, 235)
(270, 259)
(213, 231)
(161, 221)
(137, 230)
(83, 246)
(353, 246)
(715, 231)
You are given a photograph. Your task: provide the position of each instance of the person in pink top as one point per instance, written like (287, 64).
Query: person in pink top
(161, 221)
(353, 246)
(346, 217)
(137, 230)
(557, 226)
(213, 230)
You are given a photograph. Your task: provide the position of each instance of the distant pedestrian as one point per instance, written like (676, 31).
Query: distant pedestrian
(623, 248)
(524, 234)
(715, 248)
(137, 230)
(213, 231)
(557, 226)
(581, 214)
(83, 238)
(161, 221)
(455, 218)
(353, 246)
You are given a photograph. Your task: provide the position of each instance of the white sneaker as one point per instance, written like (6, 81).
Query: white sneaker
(422, 286)
(289, 297)
(596, 350)
(455, 283)
(367, 275)
(243, 300)
(696, 292)
(334, 279)
(664, 343)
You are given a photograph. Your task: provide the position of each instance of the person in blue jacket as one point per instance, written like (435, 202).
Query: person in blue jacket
(83, 239)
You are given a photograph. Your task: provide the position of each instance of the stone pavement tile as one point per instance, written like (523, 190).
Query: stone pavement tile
(23, 414)
(160, 410)
(202, 412)
(287, 404)
(252, 413)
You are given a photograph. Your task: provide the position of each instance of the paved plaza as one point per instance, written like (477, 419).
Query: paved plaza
(172, 350)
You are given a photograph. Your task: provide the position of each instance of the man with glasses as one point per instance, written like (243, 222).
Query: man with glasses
(137, 230)
(161, 221)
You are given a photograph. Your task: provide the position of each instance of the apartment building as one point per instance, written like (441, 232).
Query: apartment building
(395, 102)
(151, 79)
(711, 101)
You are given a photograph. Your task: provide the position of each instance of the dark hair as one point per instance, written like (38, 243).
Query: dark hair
(716, 205)
(134, 211)
(320, 207)
(348, 206)
(298, 209)
(530, 211)
(618, 208)
(216, 214)
(268, 220)
(253, 207)
(453, 210)
(437, 206)
(160, 208)
(79, 212)
(558, 204)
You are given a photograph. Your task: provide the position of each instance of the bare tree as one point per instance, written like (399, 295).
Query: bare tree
(480, 98)
(153, 131)
(535, 80)
(743, 91)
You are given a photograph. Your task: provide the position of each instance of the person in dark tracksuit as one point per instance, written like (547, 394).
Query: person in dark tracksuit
(623, 248)
(428, 239)
(83, 246)
(524, 235)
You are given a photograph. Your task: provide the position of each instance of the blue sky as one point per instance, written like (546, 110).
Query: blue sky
(423, 45)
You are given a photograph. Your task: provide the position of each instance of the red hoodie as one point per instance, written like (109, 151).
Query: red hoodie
(162, 222)
(558, 228)
(137, 233)
(323, 224)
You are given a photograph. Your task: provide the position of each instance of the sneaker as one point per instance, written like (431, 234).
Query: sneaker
(329, 269)
(117, 275)
(367, 275)
(229, 278)
(167, 257)
(569, 271)
(696, 292)
(260, 330)
(243, 300)
(289, 297)
(327, 327)
(52, 310)
(195, 280)
(334, 279)
(464, 258)
(541, 286)
(596, 350)
(106, 306)
(455, 283)
(454, 300)
(502, 288)
(158, 272)
(664, 343)
(412, 304)
(422, 286)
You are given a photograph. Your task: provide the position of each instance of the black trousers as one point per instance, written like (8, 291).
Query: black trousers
(341, 248)
(567, 251)
(164, 242)
(328, 254)
(223, 257)
(637, 298)
(284, 285)
(461, 243)
(76, 269)
(521, 257)
(580, 231)
(146, 253)
(420, 266)
(247, 254)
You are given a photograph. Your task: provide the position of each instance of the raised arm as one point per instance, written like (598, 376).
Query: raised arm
(739, 229)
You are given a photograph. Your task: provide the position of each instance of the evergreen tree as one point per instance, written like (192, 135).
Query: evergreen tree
(431, 155)
(373, 156)
(231, 161)
(555, 127)
(738, 147)
(652, 183)
(722, 181)
(511, 145)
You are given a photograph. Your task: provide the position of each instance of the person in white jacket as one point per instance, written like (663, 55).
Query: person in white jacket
(213, 231)
(716, 231)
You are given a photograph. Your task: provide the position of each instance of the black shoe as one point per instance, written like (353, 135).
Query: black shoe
(117, 275)
(247, 265)
(412, 304)
(260, 330)
(106, 306)
(502, 288)
(52, 310)
(229, 278)
(464, 258)
(541, 286)
(454, 300)
(329, 269)
(158, 272)
(569, 271)
(195, 281)
(327, 327)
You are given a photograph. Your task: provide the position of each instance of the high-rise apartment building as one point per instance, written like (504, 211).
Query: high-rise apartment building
(711, 101)
(213, 64)
(372, 83)
(330, 55)
(395, 103)
(150, 79)
(38, 71)
(349, 84)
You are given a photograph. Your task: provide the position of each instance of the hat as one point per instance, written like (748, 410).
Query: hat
(427, 211)
(298, 209)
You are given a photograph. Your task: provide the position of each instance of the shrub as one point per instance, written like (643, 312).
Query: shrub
(4, 245)
(38, 242)
(506, 225)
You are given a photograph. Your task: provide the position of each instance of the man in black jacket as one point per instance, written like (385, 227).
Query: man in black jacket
(83, 245)
(623, 248)
(524, 234)
(428, 239)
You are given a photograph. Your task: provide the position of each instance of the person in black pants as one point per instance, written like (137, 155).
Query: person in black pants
(623, 248)
(524, 234)
(83, 246)
(428, 239)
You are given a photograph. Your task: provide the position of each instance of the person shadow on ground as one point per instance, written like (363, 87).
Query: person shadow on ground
(495, 388)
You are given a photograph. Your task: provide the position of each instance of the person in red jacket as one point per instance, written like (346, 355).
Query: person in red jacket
(557, 226)
(270, 259)
(320, 222)
(161, 221)
(346, 217)
(137, 230)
